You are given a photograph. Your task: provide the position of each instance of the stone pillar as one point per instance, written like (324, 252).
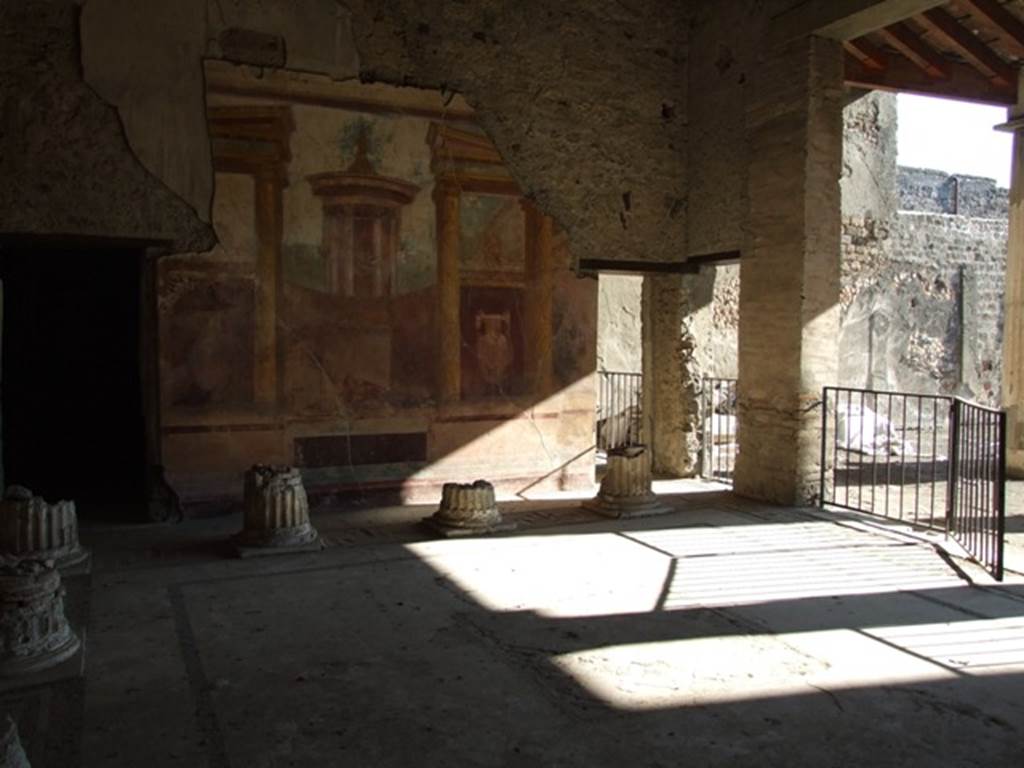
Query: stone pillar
(626, 486)
(539, 298)
(664, 375)
(31, 529)
(269, 225)
(446, 201)
(276, 513)
(34, 632)
(789, 273)
(1013, 317)
(467, 510)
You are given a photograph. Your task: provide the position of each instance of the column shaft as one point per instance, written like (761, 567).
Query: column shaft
(664, 375)
(1013, 318)
(268, 286)
(446, 200)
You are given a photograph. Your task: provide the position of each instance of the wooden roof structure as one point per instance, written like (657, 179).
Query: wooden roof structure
(960, 49)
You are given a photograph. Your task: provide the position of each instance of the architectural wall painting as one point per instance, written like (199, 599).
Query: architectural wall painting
(384, 307)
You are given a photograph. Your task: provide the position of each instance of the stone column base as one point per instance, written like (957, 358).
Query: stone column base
(626, 487)
(276, 514)
(467, 510)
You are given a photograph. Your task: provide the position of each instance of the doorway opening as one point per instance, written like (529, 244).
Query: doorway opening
(72, 401)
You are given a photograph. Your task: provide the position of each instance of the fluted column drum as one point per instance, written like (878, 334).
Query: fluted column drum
(34, 632)
(466, 509)
(626, 487)
(31, 529)
(276, 510)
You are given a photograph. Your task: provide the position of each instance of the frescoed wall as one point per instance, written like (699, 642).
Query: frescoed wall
(384, 308)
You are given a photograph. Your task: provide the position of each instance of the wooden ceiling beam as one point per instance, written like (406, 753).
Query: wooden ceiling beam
(964, 82)
(867, 53)
(1008, 26)
(841, 19)
(905, 40)
(983, 58)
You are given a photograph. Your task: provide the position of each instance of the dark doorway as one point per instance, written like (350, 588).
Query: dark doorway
(73, 424)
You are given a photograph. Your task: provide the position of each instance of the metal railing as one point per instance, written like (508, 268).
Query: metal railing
(928, 460)
(619, 398)
(719, 444)
(978, 483)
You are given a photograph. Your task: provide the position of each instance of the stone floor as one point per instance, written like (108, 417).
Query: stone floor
(726, 633)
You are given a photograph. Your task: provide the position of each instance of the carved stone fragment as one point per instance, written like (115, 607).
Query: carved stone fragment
(34, 632)
(276, 513)
(626, 487)
(31, 529)
(12, 755)
(467, 510)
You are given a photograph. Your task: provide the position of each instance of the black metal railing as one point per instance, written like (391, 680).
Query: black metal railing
(719, 444)
(619, 398)
(978, 483)
(928, 460)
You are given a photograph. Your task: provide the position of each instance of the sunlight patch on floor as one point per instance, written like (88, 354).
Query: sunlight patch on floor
(716, 670)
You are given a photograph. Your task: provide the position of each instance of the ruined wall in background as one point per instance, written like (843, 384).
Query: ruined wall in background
(957, 194)
(924, 261)
(921, 289)
(924, 312)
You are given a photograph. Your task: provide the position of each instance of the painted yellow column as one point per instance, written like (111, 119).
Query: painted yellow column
(269, 224)
(446, 201)
(1013, 314)
(539, 298)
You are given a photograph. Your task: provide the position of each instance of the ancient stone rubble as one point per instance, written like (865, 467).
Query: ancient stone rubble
(12, 755)
(276, 513)
(32, 529)
(34, 632)
(466, 510)
(626, 487)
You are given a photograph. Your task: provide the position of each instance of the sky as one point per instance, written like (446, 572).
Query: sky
(952, 136)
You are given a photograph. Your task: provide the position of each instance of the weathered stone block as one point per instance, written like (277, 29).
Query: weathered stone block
(467, 510)
(31, 529)
(11, 753)
(276, 513)
(34, 632)
(626, 487)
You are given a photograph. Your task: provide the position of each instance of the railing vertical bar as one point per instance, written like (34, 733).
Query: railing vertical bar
(860, 455)
(986, 487)
(989, 488)
(824, 447)
(997, 571)
(874, 449)
(971, 434)
(888, 453)
(952, 507)
(984, 500)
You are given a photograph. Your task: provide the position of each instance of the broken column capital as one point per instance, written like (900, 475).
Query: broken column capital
(276, 513)
(466, 510)
(32, 529)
